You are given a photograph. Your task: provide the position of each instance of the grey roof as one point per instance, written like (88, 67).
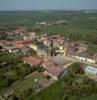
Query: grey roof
(84, 54)
(83, 45)
(26, 49)
(90, 69)
(43, 47)
(59, 60)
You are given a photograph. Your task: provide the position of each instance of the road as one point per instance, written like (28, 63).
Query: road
(76, 60)
(67, 65)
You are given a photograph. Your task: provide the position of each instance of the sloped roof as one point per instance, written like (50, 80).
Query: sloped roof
(43, 47)
(26, 49)
(59, 60)
(53, 69)
(84, 54)
(32, 60)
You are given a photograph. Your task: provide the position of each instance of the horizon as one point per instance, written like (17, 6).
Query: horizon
(54, 10)
(22, 5)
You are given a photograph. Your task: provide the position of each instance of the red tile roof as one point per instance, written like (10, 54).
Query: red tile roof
(52, 68)
(19, 46)
(22, 43)
(49, 66)
(32, 60)
(59, 40)
(19, 42)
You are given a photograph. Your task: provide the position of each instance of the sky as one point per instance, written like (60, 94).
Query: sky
(47, 4)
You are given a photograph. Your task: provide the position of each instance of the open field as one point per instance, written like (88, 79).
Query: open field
(29, 82)
(26, 83)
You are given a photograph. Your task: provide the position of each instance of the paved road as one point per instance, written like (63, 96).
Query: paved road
(76, 60)
(67, 65)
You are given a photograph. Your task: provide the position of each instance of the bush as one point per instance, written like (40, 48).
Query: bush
(3, 83)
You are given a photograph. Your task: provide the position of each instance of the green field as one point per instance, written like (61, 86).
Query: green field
(78, 25)
(20, 85)
(26, 86)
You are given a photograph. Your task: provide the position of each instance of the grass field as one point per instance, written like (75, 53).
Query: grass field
(62, 29)
(26, 83)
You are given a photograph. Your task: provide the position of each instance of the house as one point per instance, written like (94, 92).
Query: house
(70, 51)
(22, 29)
(52, 70)
(46, 42)
(59, 60)
(14, 50)
(26, 50)
(44, 34)
(45, 39)
(82, 47)
(30, 35)
(95, 58)
(26, 42)
(22, 43)
(33, 46)
(43, 23)
(57, 40)
(8, 46)
(61, 50)
(19, 44)
(83, 56)
(91, 72)
(32, 60)
(10, 33)
(43, 50)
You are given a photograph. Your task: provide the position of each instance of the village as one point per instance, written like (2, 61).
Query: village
(51, 54)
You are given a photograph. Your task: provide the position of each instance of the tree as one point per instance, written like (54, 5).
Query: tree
(1, 47)
(75, 68)
(37, 30)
